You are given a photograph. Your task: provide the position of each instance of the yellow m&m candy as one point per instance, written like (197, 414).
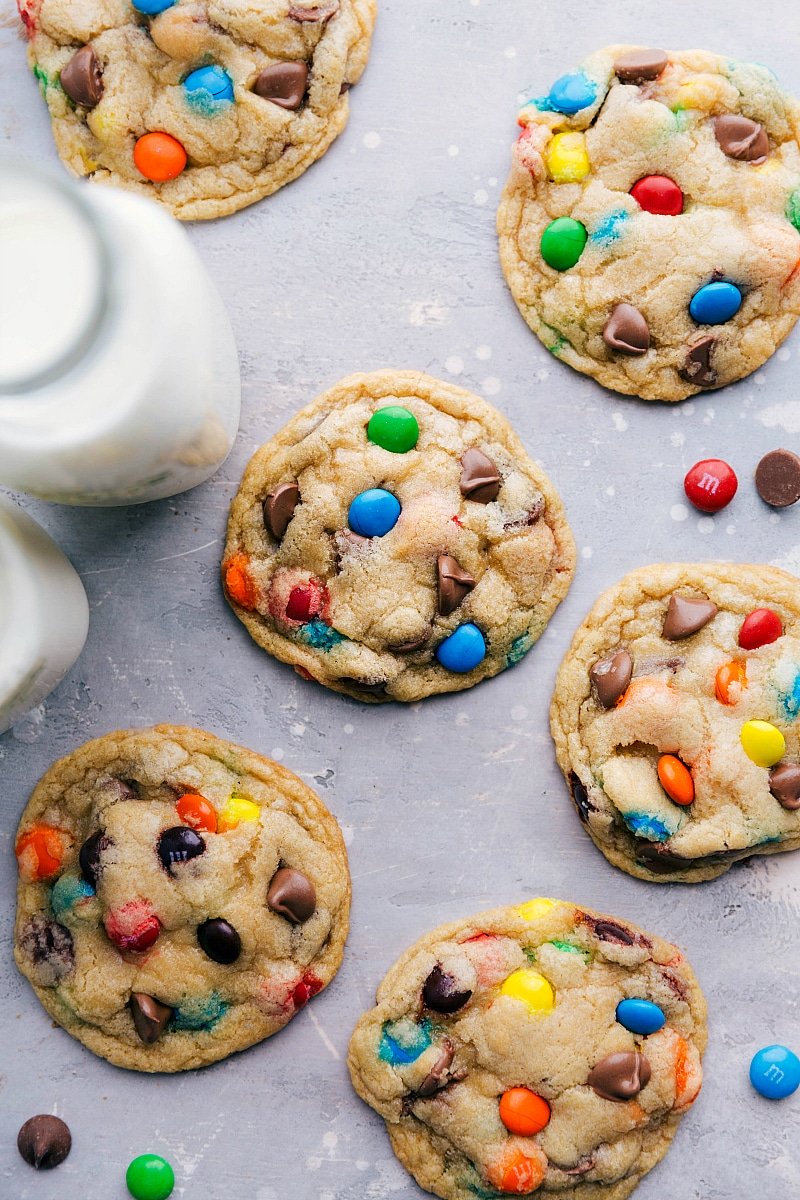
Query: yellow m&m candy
(531, 988)
(531, 910)
(566, 158)
(236, 810)
(762, 743)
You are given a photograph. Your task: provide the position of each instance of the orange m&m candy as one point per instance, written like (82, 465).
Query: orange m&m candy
(676, 779)
(518, 1174)
(40, 853)
(729, 673)
(238, 583)
(523, 1112)
(196, 812)
(159, 157)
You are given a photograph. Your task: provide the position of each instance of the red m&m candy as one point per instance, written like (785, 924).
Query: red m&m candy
(710, 484)
(658, 194)
(759, 628)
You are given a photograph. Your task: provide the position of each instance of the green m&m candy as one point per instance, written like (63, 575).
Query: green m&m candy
(562, 243)
(393, 428)
(150, 1177)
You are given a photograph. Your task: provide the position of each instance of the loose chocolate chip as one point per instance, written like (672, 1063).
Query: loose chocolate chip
(82, 78)
(686, 615)
(292, 895)
(442, 993)
(620, 1076)
(626, 331)
(581, 798)
(784, 783)
(178, 845)
(639, 65)
(44, 1142)
(283, 83)
(89, 856)
(50, 948)
(741, 138)
(778, 478)
(611, 677)
(150, 1016)
(219, 940)
(320, 12)
(434, 1080)
(453, 583)
(279, 508)
(480, 479)
(697, 368)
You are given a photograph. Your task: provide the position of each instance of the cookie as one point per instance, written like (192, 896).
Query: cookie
(675, 719)
(394, 540)
(179, 897)
(205, 105)
(541, 1048)
(650, 226)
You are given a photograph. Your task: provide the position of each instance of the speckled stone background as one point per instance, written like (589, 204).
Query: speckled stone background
(384, 254)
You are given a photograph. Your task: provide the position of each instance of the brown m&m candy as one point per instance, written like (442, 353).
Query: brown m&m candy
(611, 677)
(778, 478)
(149, 1015)
(638, 66)
(784, 783)
(82, 78)
(44, 1142)
(292, 895)
(453, 583)
(626, 331)
(686, 615)
(283, 83)
(480, 479)
(741, 138)
(620, 1076)
(279, 508)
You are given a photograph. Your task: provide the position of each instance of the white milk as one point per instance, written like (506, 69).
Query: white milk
(119, 377)
(44, 614)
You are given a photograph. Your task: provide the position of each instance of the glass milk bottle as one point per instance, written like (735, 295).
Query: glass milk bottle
(119, 377)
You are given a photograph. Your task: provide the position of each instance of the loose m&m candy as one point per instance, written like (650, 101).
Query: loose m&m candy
(715, 303)
(159, 157)
(562, 243)
(710, 484)
(150, 1177)
(775, 1072)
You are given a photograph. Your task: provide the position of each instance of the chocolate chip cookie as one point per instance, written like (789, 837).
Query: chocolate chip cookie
(205, 105)
(179, 897)
(394, 540)
(675, 719)
(541, 1048)
(650, 226)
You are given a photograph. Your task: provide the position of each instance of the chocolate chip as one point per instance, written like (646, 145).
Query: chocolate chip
(279, 508)
(581, 798)
(660, 861)
(292, 895)
(442, 993)
(778, 478)
(611, 677)
(784, 783)
(697, 368)
(82, 78)
(609, 931)
(741, 138)
(620, 1076)
(370, 689)
(89, 856)
(410, 646)
(626, 331)
(639, 65)
(480, 479)
(219, 940)
(675, 984)
(434, 1080)
(320, 12)
(283, 83)
(532, 516)
(50, 948)
(178, 845)
(150, 1016)
(121, 789)
(686, 615)
(453, 583)
(653, 664)
(44, 1142)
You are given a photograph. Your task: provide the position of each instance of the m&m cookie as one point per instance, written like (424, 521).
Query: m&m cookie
(205, 107)
(539, 1049)
(650, 226)
(395, 540)
(180, 898)
(675, 719)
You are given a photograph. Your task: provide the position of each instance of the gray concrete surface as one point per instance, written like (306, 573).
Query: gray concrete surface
(384, 254)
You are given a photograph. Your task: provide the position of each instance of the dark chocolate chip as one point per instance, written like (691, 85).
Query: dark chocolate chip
(320, 12)
(637, 66)
(219, 940)
(697, 368)
(741, 138)
(626, 331)
(150, 1016)
(44, 1142)
(784, 783)
(442, 993)
(82, 78)
(778, 478)
(50, 948)
(435, 1079)
(89, 858)
(660, 861)
(687, 615)
(283, 83)
(178, 845)
(370, 689)
(610, 931)
(292, 895)
(581, 798)
(453, 583)
(279, 508)
(412, 645)
(620, 1076)
(480, 479)
(611, 677)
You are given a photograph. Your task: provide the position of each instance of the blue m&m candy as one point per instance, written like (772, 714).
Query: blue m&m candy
(462, 650)
(373, 513)
(715, 303)
(640, 1016)
(213, 80)
(775, 1072)
(571, 93)
(152, 7)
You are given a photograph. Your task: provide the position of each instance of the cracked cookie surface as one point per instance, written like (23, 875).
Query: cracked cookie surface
(649, 226)
(675, 718)
(545, 1048)
(180, 897)
(238, 98)
(394, 540)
